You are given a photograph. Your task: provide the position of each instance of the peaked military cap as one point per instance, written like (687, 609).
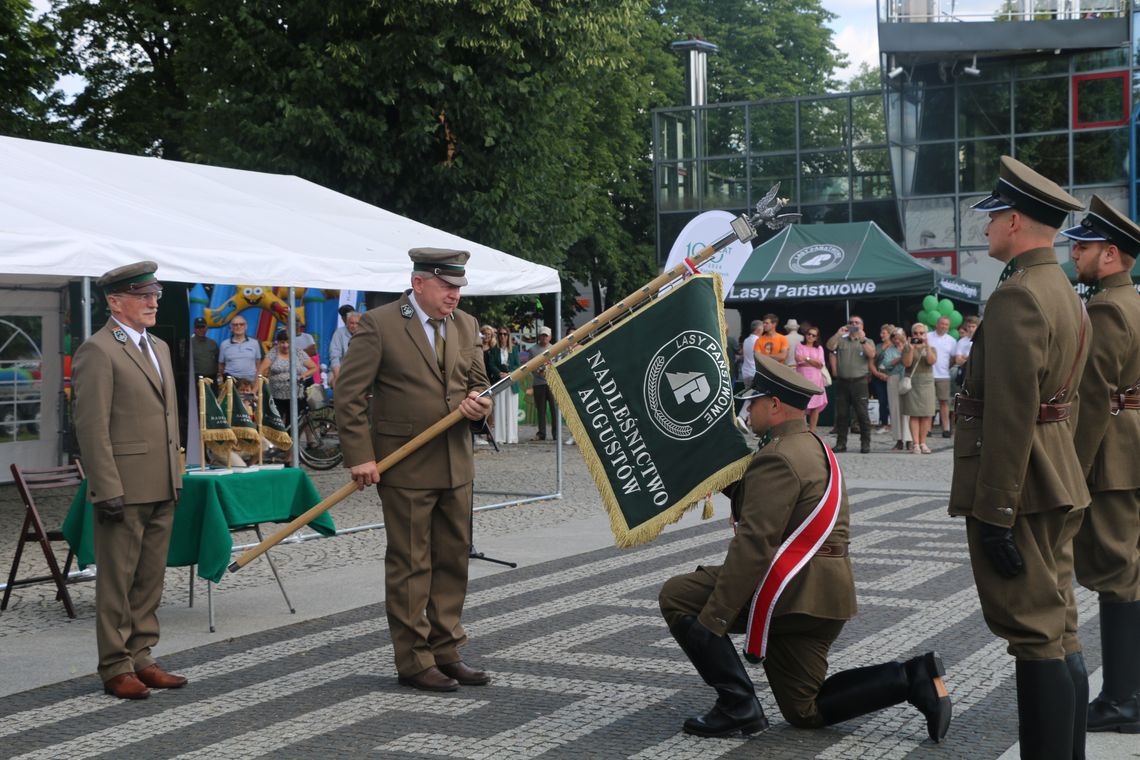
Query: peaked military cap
(1106, 223)
(132, 278)
(447, 264)
(1019, 187)
(773, 378)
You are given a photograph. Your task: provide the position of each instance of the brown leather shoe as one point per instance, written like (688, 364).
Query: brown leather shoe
(429, 680)
(157, 678)
(126, 686)
(465, 675)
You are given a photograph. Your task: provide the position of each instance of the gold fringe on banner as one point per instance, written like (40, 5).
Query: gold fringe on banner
(624, 535)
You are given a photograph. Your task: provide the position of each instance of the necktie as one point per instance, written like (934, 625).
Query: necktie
(142, 347)
(438, 342)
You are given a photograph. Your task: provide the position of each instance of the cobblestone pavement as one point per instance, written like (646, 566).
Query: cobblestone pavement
(583, 665)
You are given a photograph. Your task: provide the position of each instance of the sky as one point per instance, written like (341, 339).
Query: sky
(855, 33)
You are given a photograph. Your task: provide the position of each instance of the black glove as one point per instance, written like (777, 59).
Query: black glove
(1000, 549)
(109, 511)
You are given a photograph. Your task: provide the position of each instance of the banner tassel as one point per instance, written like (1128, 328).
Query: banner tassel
(708, 513)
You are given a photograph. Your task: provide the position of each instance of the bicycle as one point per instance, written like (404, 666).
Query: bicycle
(319, 439)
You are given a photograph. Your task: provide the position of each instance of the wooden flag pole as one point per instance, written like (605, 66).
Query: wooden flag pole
(260, 411)
(202, 421)
(743, 229)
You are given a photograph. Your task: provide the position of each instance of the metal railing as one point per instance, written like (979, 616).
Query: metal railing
(927, 11)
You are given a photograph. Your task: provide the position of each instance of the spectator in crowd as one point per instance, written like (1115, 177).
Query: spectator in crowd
(943, 344)
(918, 357)
(487, 339)
(809, 363)
(962, 349)
(275, 366)
(203, 350)
(770, 342)
(893, 366)
(732, 351)
(543, 400)
(506, 412)
(748, 353)
(338, 345)
(850, 366)
(304, 341)
(239, 355)
(879, 378)
(795, 339)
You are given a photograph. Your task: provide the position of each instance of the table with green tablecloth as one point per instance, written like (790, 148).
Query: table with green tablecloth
(209, 507)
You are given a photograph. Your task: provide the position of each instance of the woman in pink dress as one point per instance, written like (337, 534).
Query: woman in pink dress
(809, 363)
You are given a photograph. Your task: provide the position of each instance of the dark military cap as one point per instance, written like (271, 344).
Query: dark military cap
(445, 263)
(1019, 187)
(773, 378)
(199, 322)
(131, 278)
(1106, 223)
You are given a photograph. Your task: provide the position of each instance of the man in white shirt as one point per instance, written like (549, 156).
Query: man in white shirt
(792, 327)
(943, 344)
(748, 359)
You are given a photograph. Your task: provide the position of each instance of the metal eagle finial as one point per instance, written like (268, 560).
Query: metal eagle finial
(767, 211)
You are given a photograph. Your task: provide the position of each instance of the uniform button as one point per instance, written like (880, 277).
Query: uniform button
(979, 443)
(1006, 511)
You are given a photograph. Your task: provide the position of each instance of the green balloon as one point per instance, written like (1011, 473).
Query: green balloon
(953, 332)
(945, 306)
(930, 303)
(955, 318)
(926, 318)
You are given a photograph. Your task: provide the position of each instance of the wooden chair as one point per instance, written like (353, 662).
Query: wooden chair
(28, 481)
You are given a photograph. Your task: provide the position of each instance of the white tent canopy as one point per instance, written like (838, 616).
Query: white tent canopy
(70, 212)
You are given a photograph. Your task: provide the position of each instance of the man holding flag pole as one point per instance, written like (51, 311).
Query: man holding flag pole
(787, 584)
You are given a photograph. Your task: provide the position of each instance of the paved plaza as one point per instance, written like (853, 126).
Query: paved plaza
(583, 665)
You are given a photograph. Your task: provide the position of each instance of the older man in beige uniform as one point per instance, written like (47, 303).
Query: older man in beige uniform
(791, 504)
(126, 420)
(412, 362)
(1107, 548)
(1017, 478)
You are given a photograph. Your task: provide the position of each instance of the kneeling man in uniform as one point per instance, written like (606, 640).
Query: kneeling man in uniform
(787, 584)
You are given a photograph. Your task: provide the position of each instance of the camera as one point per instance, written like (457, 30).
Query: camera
(916, 341)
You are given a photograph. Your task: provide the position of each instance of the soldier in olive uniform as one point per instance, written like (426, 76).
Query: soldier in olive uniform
(412, 363)
(126, 420)
(786, 582)
(1107, 548)
(1017, 479)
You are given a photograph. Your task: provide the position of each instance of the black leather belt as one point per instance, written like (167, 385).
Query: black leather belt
(965, 406)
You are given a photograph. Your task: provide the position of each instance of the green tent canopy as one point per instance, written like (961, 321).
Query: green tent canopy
(828, 262)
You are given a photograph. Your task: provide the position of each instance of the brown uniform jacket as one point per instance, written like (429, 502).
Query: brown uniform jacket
(126, 420)
(1005, 462)
(783, 484)
(391, 359)
(1107, 444)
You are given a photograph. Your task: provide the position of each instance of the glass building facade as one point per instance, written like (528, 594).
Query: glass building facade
(914, 156)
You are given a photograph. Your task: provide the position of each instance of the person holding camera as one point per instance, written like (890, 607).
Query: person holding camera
(918, 357)
(851, 359)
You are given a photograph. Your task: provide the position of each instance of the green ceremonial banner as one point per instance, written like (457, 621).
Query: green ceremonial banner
(272, 426)
(650, 405)
(245, 429)
(216, 428)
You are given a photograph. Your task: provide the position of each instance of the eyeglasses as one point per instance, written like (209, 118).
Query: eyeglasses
(237, 324)
(813, 335)
(143, 296)
(504, 333)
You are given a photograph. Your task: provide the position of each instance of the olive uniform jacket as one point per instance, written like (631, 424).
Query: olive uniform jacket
(126, 419)
(1005, 462)
(1107, 443)
(783, 484)
(391, 367)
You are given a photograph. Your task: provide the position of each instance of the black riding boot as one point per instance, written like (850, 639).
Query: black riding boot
(1118, 706)
(860, 691)
(1045, 705)
(736, 709)
(1080, 675)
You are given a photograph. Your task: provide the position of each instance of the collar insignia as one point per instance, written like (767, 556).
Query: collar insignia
(119, 335)
(406, 311)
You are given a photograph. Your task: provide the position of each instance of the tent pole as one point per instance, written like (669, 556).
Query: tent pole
(560, 431)
(847, 308)
(294, 428)
(86, 299)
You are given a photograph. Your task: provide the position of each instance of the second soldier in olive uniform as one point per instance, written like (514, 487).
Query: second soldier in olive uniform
(1107, 548)
(778, 495)
(1017, 478)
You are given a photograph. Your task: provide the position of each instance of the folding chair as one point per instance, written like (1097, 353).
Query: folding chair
(28, 481)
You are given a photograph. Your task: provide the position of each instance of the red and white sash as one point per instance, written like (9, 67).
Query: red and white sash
(791, 557)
